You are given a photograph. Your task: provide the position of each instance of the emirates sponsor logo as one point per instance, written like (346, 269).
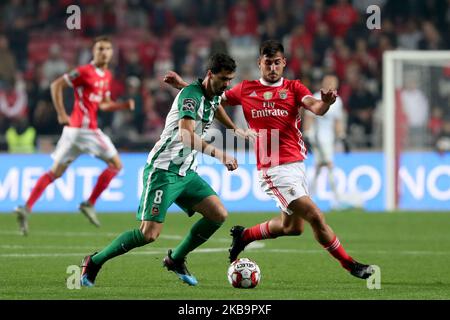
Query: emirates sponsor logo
(269, 113)
(97, 98)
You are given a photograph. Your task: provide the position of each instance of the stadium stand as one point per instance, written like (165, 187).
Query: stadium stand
(152, 37)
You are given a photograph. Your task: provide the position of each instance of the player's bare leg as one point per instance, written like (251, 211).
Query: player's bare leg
(87, 207)
(307, 209)
(151, 230)
(282, 225)
(214, 215)
(332, 182)
(315, 179)
(47, 178)
(302, 209)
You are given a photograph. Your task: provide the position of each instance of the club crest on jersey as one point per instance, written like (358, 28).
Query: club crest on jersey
(74, 74)
(283, 93)
(188, 105)
(267, 95)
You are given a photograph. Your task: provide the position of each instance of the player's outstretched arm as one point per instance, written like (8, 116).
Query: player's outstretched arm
(222, 116)
(320, 107)
(56, 90)
(109, 105)
(191, 140)
(175, 80)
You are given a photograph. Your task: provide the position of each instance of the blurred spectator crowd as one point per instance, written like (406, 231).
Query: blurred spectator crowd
(151, 37)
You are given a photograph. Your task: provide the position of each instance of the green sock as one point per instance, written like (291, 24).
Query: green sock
(200, 232)
(122, 244)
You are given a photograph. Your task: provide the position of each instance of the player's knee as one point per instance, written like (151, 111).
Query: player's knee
(57, 174)
(117, 166)
(220, 215)
(293, 230)
(150, 235)
(316, 219)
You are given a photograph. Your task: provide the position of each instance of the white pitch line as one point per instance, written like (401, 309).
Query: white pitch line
(251, 246)
(62, 234)
(15, 246)
(254, 245)
(139, 253)
(97, 234)
(444, 253)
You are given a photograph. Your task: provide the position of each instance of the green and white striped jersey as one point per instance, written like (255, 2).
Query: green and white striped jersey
(169, 153)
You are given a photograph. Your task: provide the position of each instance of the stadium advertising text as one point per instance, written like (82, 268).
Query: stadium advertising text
(360, 177)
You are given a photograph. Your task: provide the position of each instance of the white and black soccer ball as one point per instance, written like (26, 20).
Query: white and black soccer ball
(244, 273)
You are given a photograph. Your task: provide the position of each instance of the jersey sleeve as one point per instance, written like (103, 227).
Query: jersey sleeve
(301, 92)
(233, 96)
(74, 78)
(188, 103)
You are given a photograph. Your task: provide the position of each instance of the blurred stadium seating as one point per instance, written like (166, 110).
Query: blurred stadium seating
(151, 37)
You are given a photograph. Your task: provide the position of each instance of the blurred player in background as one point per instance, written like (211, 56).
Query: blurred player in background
(322, 133)
(272, 107)
(91, 85)
(170, 176)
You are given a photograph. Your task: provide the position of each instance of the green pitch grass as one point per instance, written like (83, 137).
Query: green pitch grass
(412, 250)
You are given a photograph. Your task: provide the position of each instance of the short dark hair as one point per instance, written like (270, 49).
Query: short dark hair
(329, 74)
(221, 61)
(270, 48)
(101, 38)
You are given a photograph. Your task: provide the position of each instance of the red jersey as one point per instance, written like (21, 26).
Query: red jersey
(91, 86)
(272, 110)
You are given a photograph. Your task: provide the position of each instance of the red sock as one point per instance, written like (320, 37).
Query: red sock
(258, 232)
(40, 186)
(336, 249)
(102, 183)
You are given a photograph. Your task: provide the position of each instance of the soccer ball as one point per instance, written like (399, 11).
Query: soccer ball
(244, 273)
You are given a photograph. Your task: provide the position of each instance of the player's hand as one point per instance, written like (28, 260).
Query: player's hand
(228, 161)
(63, 119)
(329, 96)
(247, 134)
(174, 79)
(131, 104)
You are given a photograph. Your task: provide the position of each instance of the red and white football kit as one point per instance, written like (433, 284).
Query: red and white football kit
(91, 86)
(273, 111)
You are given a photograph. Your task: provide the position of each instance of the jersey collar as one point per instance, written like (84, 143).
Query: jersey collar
(268, 84)
(99, 71)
